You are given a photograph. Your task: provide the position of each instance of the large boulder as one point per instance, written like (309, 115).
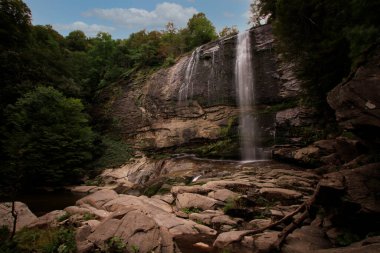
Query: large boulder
(351, 200)
(357, 102)
(135, 229)
(25, 217)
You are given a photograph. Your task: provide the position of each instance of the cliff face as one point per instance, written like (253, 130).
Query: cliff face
(194, 101)
(357, 102)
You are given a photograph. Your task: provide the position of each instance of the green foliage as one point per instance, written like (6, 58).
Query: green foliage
(15, 20)
(135, 249)
(191, 210)
(115, 245)
(324, 38)
(200, 30)
(63, 217)
(228, 31)
(51, 240)
(89, 216)
(45, 137)
(116, 152)
(230, 204)
(48, 137)
(152, 189)
(347, 238)
(77, 41)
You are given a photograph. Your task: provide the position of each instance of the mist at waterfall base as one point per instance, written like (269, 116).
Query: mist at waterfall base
(245, 87)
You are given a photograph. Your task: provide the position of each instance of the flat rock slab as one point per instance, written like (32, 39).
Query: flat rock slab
(227, 238)
(98, 199)
(223, 195)
(280, 194)
(189, 200)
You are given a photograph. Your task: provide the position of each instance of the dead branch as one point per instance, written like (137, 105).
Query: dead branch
(304, 208)
(14, 215)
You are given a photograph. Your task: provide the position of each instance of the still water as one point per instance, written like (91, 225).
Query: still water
(42, 202)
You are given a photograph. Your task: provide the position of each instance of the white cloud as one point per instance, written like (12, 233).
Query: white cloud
(141, 18)
(89, 30)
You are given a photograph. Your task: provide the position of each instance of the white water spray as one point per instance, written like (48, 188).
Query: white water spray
(245, 91)
(186, 89)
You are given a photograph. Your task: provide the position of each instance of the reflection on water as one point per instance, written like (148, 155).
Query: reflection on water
(42, 202)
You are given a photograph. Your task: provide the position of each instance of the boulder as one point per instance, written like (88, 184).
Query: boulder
(368, 245)
(24, 216)
(230, 237)
(223, 195)
(136, 229)
(98, 199)
(306, 239)
(48, 220)
(189, 200)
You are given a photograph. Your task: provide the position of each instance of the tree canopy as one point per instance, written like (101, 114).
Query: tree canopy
(48, 138)
(324, 38)
(200, 30)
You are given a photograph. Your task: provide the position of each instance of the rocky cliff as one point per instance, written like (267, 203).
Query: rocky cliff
(193, 102)
(357, 102)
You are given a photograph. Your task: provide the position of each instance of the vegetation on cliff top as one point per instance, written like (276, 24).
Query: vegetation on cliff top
(325, 38)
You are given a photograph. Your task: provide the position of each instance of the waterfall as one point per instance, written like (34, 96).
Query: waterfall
(244, 78)
(187, 85)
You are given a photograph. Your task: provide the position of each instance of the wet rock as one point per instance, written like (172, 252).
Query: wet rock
(24, 216)
(189, 200)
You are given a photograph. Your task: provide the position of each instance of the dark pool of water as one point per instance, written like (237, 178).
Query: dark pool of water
(42, 202)
(186, 243)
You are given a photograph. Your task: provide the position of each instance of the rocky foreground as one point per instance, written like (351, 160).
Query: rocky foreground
(191, 205)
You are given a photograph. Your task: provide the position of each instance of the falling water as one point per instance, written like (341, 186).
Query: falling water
(186, 89)
(245, 90)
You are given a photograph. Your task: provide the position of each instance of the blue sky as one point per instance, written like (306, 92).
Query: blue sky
(123, 17)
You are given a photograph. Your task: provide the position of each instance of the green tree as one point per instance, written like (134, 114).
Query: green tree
(228, 31)
(200, 30)
(77, 41)
(15, 23)
(47, 137)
